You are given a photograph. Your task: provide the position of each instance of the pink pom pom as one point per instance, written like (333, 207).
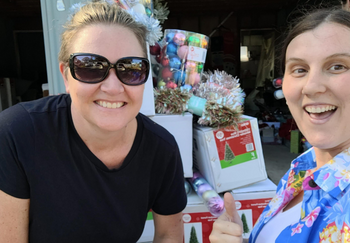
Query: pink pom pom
(182, 52)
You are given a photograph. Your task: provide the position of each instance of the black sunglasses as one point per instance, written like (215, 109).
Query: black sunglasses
(92, 68)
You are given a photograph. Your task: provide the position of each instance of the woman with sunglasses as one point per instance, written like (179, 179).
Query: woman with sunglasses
(312, 202)
(87, 166)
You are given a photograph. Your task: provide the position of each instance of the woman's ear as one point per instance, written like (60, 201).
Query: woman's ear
(64, 72)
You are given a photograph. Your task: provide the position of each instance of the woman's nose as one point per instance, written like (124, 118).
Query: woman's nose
(315, 82)
(112, 84)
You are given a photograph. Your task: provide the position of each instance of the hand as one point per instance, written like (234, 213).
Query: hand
(228, 227)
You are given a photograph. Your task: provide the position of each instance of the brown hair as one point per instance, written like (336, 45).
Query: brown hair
(311, 21)
(99, 13)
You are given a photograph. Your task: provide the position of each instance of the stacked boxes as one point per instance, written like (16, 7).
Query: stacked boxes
(180, 126)
(250, 202)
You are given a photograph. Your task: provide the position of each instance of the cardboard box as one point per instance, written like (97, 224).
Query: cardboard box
(227, 158)
(250, 201)
(195, 215)
(180, 126)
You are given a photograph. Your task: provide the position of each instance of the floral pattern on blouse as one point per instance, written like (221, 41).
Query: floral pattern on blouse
(325, 210)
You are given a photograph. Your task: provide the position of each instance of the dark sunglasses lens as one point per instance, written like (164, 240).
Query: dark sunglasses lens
(132, 71)
(90, 68)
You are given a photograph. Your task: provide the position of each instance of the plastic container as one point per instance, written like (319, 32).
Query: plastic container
(181, 59)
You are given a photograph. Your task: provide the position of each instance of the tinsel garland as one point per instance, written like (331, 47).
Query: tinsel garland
(222, 93)
(171, 101)
(216, 115)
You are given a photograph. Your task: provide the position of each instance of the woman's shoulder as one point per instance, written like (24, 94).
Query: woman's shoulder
(22, 114)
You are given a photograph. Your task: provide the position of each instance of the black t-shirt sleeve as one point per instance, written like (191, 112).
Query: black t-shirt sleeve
(16, 143)
(172, 197)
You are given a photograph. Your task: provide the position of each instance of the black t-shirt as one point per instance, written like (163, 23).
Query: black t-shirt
(74, 197)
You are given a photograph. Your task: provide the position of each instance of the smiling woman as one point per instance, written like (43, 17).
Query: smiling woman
(316, 190)
(87, 166)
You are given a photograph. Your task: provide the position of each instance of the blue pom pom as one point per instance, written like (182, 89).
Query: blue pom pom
(169, 37)
(171, 49)
(175, 62)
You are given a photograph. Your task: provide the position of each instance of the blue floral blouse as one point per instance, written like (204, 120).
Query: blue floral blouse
(325, 210)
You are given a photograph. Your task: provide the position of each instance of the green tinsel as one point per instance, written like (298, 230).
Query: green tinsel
(161, 11)
(171, 101)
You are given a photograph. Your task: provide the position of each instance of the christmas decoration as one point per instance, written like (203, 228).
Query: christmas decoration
(161, 11)
(229, 155)
(245, 224)
(211, 199)
(188, 188)
(171, 101)
(186, 54)
(217, 100)
(193, 237)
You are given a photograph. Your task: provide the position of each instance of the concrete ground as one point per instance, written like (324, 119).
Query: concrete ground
(277, 161)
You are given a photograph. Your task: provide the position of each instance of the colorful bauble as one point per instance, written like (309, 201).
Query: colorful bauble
(154, 50)
(193, 41)
(186, 87)
(166, 74)
(165, 61)
(148, 12)
(171, 49)
(203, 188)
(194, 78)
(180, 77)
(155, 69)
(188, 188)
(139, 8)
(169, 37)
(171, 85)
(209, 194)
(158, 57)
(175, 62)
(161, 84)
(179, 38)
(190, 66)
(182, 51)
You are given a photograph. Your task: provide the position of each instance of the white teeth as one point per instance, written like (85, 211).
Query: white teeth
(110, 105)
(320, 109)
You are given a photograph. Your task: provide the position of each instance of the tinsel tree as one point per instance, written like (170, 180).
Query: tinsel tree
(161, 11)
(229, 155)
(193, 238)
(245, 224)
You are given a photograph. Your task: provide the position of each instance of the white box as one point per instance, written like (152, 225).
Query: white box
(227, 158)
(180, 126)
(252, 200)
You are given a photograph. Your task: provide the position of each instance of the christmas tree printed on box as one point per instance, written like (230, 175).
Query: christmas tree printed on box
(245, 224)
(229, 155)
(193, 237)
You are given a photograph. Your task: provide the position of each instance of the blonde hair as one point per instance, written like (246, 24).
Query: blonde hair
(99, 13)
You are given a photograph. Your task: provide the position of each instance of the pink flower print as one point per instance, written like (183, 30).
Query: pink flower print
(336, 184)
(311, 218)
(297, 230)
(326, 176)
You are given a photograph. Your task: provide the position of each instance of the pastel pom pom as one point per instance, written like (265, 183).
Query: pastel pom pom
(179, 38)
(182, 52)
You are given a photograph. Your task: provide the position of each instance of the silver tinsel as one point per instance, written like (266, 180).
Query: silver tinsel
(221, 88)
(152, 25)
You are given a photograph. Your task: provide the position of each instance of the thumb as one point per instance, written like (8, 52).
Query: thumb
(231, 211)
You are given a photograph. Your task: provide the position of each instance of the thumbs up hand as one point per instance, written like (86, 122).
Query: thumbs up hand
(228, 227)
